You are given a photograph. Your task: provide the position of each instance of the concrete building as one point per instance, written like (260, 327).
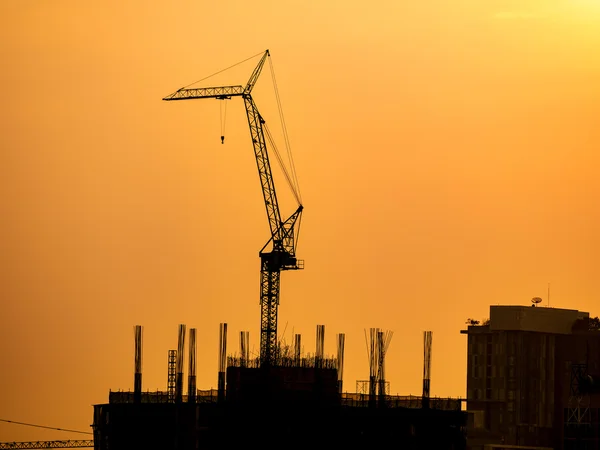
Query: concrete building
(525, 370)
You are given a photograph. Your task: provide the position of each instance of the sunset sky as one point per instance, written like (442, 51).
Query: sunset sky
(447, 153)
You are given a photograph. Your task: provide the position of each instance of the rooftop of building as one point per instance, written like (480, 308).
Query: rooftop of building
(528, 318)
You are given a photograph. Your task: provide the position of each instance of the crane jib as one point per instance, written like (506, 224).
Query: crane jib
(209, 92)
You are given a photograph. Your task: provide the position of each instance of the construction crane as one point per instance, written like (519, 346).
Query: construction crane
(279, 253)
(47, 444)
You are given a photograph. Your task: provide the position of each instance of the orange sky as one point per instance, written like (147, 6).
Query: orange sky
(447, 154)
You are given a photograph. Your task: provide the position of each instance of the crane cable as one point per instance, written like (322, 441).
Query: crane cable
(288, 179)
(223, 117)
(285, 135)
(293, 180)
(42, 426)
(223, 70)
(281, 163)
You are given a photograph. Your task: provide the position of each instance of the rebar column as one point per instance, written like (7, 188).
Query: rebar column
(137, 380)
(427, 348)
(320, 350)
(192, 368)
(180, 357)
(373, 359)
(341, 339)
(222, 361)
(297, 349)
(244, 348)
(381, 367)
(377, 345)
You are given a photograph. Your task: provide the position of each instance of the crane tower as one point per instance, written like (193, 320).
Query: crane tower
(279, 253)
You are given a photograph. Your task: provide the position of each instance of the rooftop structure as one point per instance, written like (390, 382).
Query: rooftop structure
(536, 319)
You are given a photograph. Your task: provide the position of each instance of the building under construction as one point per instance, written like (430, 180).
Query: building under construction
(283, 397)
(297, 400)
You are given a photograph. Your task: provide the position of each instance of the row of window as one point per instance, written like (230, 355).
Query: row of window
(477, 371)
(490, 394)
(479, 348)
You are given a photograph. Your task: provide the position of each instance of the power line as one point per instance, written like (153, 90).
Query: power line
(42, 426)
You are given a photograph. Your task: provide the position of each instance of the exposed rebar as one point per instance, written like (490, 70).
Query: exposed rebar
(377, 345)
(297, 348)
(222, 361)
(341, 339)
(244, 347)
(180, 358)
(320, 344)
(192, 367)
(137, 381)
(427, 352)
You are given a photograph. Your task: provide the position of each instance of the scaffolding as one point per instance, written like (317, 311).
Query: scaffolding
(172, 375)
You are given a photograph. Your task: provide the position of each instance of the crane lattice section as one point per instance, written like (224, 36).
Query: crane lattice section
(48, 444)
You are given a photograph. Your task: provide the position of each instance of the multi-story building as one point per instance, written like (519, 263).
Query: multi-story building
(524, 369)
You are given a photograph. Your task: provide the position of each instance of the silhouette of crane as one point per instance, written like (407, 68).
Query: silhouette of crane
(48, 444)
(57, 443)
(283, 240)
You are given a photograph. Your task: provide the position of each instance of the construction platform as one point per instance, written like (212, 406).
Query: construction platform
(267, 407)
(295, 400)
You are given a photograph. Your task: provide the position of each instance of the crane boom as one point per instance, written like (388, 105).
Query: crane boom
(47, 444)
(282, 255)
(255, 121)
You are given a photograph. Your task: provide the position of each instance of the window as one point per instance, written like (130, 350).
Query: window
(478, 419)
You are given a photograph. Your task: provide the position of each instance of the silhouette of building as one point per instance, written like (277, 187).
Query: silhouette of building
(532, 379)
(296, 401)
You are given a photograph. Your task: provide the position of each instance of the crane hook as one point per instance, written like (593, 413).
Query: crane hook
(223, 114)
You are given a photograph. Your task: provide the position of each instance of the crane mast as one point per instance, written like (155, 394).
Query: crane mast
(282, 254)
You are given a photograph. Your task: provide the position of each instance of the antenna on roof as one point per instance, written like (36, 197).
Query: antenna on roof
(535, 301)
(548, 295)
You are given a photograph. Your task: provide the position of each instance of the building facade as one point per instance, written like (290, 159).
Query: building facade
(520, 375)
